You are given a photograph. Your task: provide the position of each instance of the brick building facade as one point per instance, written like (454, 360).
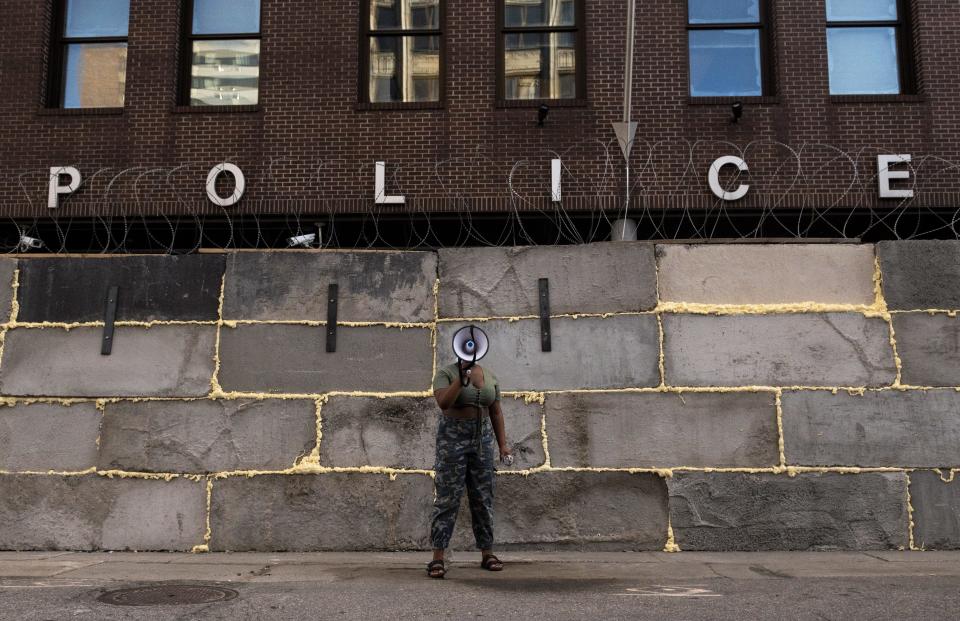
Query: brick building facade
(309, 145)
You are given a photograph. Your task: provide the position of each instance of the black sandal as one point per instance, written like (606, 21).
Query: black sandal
(438, 567)
(491, 563)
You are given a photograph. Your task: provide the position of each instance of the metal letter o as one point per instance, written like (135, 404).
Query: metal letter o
(240, 185)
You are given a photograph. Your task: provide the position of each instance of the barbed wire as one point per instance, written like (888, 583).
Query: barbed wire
(796, 192)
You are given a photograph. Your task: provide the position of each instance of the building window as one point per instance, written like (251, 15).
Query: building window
(541, 49)
(402, 51)
(89, 54)
(222, 66)
(728, 44)
(868, 47)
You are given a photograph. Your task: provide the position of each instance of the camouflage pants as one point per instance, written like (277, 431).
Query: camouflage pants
(463, 460)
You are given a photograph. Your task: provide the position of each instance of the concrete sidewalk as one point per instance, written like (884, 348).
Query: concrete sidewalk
(569, 585)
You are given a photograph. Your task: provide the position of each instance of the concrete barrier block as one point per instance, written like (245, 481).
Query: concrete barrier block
(91, 512)
(293, 359)
(206, 436)
(661, 430)
(43, 436)
(339, 511)
(936, 511)
(401, 432)
(503, 282)
(929, 348)
(611, 352)
(373, 286)
(751, 512)
(918, 429)
(580, 510)
(182, 288)
(7, 268)
(809, 349)
(767, 274)
(162, 361)
(920, 274)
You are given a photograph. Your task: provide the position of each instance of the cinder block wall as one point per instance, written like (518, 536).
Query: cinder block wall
(712, 397)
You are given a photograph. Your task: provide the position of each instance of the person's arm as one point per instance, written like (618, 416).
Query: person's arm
(447, 396)
(496, 417)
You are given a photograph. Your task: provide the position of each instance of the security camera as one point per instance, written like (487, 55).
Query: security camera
(302, 241)
(26, 243)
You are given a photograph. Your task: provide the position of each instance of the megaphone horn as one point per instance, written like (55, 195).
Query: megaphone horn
(470, 343)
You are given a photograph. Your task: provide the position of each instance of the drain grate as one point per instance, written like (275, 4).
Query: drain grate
(167, 595)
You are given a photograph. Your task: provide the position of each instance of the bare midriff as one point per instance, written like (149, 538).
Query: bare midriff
(466, 412)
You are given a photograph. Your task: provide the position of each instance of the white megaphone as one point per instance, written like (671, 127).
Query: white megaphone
(470, 344)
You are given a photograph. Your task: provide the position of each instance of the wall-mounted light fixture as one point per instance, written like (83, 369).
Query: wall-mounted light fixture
(737, 110)
(542, 113)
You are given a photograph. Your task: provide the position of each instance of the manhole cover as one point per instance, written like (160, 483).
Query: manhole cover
(167, 595)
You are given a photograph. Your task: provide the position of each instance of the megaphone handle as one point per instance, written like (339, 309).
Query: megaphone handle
(464, 378)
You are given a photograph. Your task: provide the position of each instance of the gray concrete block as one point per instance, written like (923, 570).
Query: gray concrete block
(401, 432)
(43, 436)
(767, 274)
(503, 282)
(750, 512)
(920, 274)
(929, 348)
(580, 510)
(151, 288)
(91, 512)
(660, 430)
(7, 268)
(373, 286)
(936, 511)
(162, 361)
(339, 511)
(206, 436)
(809, 349)
(892, 428)
(293, 359)
(611, 352)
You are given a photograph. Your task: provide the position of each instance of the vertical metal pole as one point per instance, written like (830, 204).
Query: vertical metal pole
(628, 77)
(626, 130)
(628, 92)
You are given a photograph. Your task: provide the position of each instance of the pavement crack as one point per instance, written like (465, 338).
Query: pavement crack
(769, 573)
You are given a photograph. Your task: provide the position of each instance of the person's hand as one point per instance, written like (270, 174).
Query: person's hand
(506, 456)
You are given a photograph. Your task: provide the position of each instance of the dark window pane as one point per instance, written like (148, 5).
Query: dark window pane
(426, 89)
(863, 61)
(540, 65)
(861, 10)
(95, 75)
(225, 73)
(401, 68)
(519, 13)
(97, 18)
(426, 44)
(725, 63)
(404, 14)
(724, 11)
(226, 16)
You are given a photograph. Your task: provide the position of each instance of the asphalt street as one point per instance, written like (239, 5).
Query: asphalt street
(826, 585)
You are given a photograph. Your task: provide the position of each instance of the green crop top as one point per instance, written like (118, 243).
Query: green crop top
(469, 395)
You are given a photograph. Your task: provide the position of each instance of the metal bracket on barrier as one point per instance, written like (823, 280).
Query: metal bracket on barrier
(109, 317)
(332, 296)
(545, 315)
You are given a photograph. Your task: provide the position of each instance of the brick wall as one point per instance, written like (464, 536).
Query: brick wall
(309, 148)
(714, 397)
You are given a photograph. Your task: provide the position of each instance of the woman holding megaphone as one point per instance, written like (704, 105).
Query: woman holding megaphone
(469, 396)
